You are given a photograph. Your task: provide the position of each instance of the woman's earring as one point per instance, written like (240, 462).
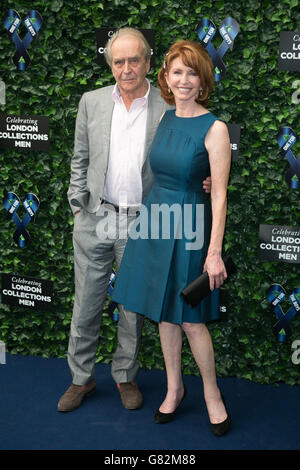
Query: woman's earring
(169, 91)
(200, 92)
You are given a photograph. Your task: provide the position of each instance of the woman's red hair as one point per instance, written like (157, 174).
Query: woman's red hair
(193, 55)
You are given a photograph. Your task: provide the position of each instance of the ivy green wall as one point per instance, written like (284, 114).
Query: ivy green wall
(254, 94)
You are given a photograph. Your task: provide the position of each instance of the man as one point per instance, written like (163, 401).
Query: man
(115, 127)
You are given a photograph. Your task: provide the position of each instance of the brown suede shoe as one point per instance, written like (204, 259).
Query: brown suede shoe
(131, 396)
(73, 397)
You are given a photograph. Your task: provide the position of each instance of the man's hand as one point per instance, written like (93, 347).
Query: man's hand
(207, 184)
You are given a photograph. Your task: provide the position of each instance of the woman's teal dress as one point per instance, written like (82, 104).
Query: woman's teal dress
(160, 258)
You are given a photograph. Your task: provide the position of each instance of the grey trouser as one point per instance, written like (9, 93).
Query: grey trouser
(99, 240)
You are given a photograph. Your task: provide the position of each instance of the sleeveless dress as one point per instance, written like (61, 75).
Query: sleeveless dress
(168, 242)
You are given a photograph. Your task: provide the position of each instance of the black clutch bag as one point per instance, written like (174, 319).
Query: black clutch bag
(199, 288)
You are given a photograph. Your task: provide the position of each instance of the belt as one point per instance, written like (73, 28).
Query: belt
(118, 208)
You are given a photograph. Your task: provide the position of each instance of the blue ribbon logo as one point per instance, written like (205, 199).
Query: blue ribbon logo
(33, 23)
(276, 295)
(286, 139)
(31, 204)
(113, 306)
(228, 30)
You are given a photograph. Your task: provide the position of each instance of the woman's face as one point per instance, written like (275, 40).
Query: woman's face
(183, 81)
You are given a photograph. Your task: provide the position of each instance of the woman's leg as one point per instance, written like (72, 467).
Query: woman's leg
(202, 348)
(171, 344)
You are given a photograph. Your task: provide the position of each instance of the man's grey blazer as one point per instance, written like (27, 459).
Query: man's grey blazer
(91, 146)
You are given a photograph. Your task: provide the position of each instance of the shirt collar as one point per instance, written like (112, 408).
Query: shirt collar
(117, 98)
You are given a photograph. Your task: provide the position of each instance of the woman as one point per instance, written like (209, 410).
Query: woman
(190, 144)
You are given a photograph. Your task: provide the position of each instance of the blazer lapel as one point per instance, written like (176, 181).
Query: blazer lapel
(153, 115)
(105, 119)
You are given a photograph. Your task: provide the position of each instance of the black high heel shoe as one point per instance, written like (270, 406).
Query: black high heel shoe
(161, 418)
(219, 429)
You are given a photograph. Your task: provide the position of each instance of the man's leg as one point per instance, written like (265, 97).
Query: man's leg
(93, 259)
(124, 365)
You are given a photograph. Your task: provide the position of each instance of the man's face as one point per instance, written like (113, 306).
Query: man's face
(128, 66)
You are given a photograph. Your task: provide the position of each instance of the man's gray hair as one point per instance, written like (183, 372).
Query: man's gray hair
(127, 32)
